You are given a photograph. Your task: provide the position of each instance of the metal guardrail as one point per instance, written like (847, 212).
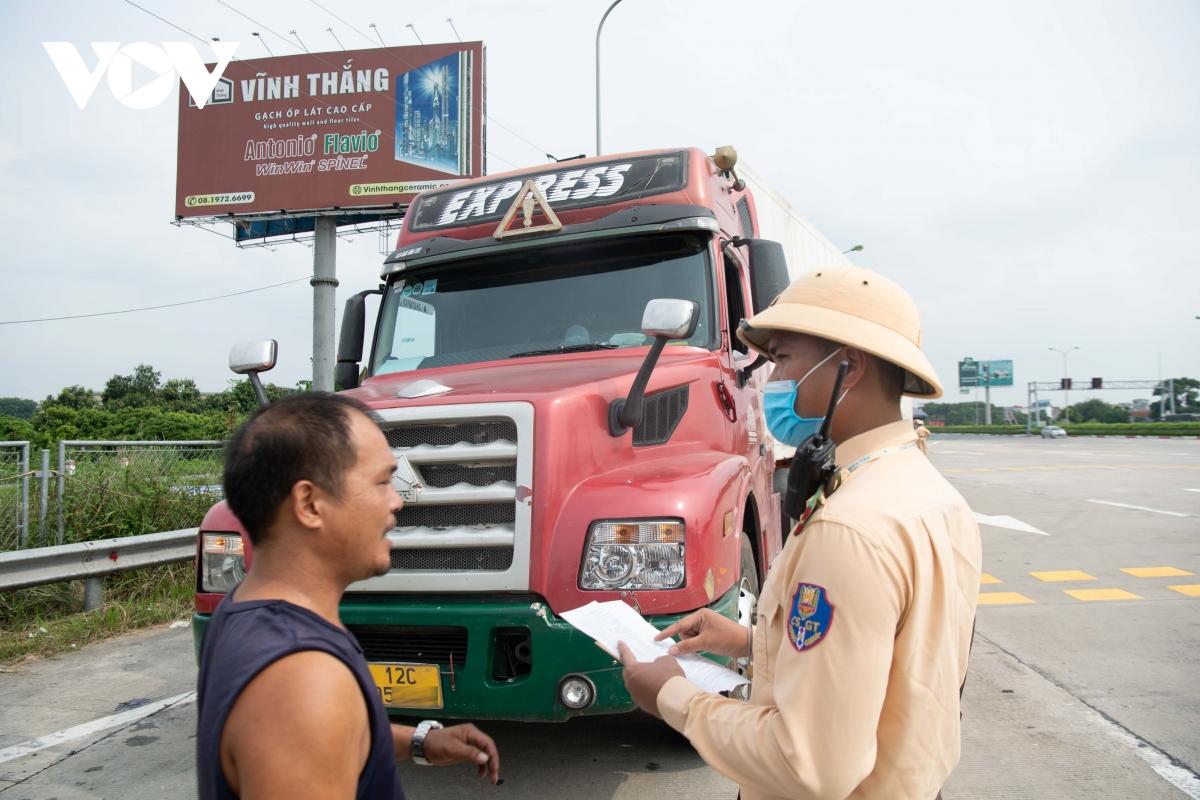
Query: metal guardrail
(91, 561)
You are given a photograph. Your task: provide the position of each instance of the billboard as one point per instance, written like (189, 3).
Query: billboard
(971, 373)
(358, 129)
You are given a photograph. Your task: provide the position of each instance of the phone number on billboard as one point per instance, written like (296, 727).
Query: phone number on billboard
(195, 200)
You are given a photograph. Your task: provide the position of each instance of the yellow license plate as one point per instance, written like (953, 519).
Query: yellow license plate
(408, 685)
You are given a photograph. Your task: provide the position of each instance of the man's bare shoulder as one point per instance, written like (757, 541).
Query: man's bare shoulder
(299, 727)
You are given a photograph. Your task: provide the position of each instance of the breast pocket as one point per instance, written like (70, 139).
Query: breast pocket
(767, 632)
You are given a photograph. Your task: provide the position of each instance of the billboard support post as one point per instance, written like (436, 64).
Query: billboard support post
(324, 283)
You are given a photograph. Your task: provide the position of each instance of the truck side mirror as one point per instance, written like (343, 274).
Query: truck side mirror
(350, 341)
(670, 319)
(663, 320)
(251, 358)
(768, 271)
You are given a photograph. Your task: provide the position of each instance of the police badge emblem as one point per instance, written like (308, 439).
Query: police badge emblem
(811, 616)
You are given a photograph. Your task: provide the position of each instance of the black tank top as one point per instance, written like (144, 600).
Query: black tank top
(241, 640)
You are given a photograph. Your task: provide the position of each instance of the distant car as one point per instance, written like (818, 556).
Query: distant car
(1053, 432)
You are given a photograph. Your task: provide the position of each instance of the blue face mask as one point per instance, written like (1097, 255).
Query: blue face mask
(779, 408)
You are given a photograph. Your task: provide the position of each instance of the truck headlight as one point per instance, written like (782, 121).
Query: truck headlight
(633, 554)
(222, 562)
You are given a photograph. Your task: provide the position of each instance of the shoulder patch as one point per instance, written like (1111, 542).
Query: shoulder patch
(811, 616)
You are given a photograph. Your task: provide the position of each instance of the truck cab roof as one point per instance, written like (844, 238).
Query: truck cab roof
(585, 196)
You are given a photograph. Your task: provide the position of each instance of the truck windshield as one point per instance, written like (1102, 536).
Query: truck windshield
(567, 298)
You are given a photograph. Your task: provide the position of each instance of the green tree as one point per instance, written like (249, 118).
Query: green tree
(1187, 397)
(180, 394)
(76, 397)
(965, 413)
(239, 397)
(1096, 410)
(17, 407)
(14, 429)
(157, 423)
(54, 422)
(141, 388)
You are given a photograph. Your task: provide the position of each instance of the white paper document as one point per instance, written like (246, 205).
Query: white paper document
(614, 621)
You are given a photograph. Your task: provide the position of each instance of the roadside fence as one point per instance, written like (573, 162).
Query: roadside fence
(104, 489)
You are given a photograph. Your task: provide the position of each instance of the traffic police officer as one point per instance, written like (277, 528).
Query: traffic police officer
(922, 436)
(863, 628)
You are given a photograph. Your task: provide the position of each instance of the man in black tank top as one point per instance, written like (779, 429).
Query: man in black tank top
(287, 707)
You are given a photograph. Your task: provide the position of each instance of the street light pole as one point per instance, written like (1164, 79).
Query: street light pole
(599, 28)
(1066, 391)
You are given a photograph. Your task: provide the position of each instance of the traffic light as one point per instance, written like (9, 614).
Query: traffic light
(1065, 384)
(1097, 383)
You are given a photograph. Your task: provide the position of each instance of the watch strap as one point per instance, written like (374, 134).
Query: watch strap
(418, 741)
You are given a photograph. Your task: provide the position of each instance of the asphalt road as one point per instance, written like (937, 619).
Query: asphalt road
(1084, 678)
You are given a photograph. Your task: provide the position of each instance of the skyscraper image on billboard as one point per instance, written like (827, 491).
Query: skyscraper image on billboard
(433, 115)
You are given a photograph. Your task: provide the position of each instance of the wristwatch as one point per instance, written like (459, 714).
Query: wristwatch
(418, 741)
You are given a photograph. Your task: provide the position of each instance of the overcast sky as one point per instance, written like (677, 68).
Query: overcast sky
(1030, 171)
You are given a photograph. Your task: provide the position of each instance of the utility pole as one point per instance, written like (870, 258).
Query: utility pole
(599, 28)
(1066, 379)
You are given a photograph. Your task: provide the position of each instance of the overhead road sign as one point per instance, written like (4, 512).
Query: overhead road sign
(971, 373)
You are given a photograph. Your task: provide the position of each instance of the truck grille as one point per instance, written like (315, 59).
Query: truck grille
(422, 645)
(444, 476)
(453, 559)
(457, 516)
(464, 432)
(464, 519)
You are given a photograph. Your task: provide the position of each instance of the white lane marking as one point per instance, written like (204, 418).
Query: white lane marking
(1138, 508)
(1192, 490)
(1182, 779)
(95, 726)
(1005, 521)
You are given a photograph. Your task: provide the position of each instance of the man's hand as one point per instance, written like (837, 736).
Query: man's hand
(645, 679)
(463, 744)
(708, 631)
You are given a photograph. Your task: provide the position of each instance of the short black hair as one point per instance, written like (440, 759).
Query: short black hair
(300, 437)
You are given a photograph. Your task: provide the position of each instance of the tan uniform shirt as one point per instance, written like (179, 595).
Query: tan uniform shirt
(922, 435)
(864, 626)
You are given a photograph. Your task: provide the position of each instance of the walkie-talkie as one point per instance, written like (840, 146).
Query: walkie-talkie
(813, 465)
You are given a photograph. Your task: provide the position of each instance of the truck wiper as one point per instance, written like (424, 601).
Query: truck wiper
(568, 348)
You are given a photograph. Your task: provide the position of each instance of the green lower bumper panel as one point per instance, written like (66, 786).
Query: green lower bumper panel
(499, 657)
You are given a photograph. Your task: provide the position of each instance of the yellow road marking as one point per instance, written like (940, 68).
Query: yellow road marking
(1190, 589)
(986, 579)
(1060, 575)
(1092, 595)
(1003, 599)
(1156, 572)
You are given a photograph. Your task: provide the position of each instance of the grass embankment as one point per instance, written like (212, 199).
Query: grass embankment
(109, 494)
(46, 620)
(1085, 429)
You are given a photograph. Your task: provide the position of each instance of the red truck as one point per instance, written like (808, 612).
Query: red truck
(556, 368)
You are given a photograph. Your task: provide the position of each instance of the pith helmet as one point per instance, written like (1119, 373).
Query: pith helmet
(855, 307)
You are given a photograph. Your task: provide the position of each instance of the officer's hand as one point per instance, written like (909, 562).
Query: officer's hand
(708, 631)
(463, 744)
(645, 679)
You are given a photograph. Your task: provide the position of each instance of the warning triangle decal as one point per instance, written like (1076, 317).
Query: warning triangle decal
(527, 201)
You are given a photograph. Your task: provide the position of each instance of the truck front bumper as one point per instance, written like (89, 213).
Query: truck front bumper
(483, 685)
